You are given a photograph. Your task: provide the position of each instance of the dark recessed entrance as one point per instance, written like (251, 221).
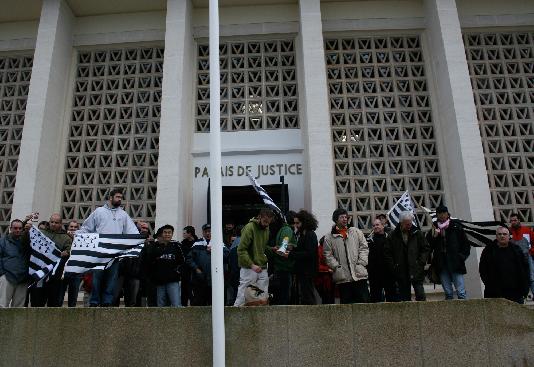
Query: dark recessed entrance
(240, 203)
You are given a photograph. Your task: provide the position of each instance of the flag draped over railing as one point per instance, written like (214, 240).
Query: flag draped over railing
(479, 234)
(265, 197)
(404, 204)
(44, 255)
(93, 251)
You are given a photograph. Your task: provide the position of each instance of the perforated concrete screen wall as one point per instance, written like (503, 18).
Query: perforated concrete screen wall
(15, 74)
(501, 65)
(381, 122)
(114, 131)
(258, 85)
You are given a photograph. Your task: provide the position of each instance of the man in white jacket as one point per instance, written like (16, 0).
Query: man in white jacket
(107, 219)
(346, 253)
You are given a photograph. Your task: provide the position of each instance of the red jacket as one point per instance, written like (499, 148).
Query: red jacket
(523, 232)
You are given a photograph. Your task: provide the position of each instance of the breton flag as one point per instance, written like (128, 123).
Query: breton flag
(44, 256)
(479, 234)
(404, 204)
(265, 197)
(93, 251)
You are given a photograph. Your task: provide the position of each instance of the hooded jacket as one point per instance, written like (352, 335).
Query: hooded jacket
(346, 257)
(107, 220)
(254, 241)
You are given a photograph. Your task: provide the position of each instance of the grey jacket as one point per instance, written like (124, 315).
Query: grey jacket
(106, 220)
(14, 260)
(347, 258)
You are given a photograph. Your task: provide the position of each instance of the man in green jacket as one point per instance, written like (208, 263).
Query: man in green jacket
(251, 254)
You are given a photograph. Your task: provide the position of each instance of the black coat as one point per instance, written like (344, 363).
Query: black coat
(164, 262)
(491, 278)
(407, 261)
(376, 266)
(305, 254)
(451, 250)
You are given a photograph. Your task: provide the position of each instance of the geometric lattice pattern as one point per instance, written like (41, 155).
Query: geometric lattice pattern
(114, 131)
(15, 73)
(381, 122)
(501, 66)
(258, 86)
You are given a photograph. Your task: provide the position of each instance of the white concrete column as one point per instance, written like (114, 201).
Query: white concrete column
(38, 169)
(457, 127)
(174, 197)
(319, 164)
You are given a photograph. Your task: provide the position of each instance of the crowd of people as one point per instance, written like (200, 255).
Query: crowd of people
(282, 258)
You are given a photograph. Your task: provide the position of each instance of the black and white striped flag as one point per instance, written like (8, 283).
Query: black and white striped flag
(93, 251)
(265, 197)
(404, 204)
(479, 234)
(44, 255)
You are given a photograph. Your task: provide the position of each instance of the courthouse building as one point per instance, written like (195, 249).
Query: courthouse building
(352, 102)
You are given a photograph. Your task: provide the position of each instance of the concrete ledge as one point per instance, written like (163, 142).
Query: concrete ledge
(453, 333)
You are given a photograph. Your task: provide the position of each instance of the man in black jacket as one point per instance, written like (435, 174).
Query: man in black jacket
(406, 252)
(380, 280)
(504, 269)
(450, 249)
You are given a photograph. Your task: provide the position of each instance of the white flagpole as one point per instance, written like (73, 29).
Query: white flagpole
(217, 277)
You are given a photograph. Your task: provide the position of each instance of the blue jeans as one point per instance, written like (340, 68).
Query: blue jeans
(104, 282)
(169, 295)
(531, 268)
(448, 279)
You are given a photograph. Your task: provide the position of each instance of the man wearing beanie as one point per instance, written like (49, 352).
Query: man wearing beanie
(450, 249)
(346, 253)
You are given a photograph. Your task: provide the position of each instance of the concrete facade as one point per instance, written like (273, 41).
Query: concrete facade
(469, 333)
(299, 134)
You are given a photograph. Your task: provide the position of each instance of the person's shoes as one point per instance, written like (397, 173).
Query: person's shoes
(93, 305)
(106, 305)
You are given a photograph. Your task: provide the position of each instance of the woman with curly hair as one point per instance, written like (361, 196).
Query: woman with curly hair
(305, 256)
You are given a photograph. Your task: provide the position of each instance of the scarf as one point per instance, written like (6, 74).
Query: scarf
(342, 232)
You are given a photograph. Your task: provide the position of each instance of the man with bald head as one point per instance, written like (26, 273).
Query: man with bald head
(50, 293)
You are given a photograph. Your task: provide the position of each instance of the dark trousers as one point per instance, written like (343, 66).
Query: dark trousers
(326, 288)
(129, 286)
(306, 289)
(201, 295)
(47, 295)
(281, 287)
(354, 292)
(405, 290)
(186, 288)
(381, 288)
(72, 284)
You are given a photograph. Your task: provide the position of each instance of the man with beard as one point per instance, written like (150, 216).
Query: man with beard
(107, 219)
(251, 254)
